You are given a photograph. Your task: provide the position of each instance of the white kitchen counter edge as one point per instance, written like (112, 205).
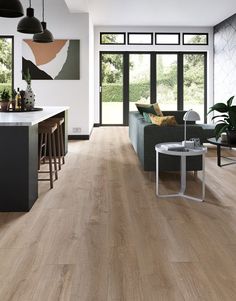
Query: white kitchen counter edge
(30, 118)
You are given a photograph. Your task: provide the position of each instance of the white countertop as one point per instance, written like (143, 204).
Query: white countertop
(29, 118)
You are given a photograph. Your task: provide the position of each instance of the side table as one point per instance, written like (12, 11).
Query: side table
(200, 151)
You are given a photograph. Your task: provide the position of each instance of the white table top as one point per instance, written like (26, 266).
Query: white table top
(190, 152)
(29, 118)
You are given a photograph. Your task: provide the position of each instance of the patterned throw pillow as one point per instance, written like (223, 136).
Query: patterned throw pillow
(147, 117)
(149, 108)
(163, 120)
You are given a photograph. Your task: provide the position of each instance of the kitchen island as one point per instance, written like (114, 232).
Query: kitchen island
(19, 156)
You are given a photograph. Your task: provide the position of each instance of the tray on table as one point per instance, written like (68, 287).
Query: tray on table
(19, 111)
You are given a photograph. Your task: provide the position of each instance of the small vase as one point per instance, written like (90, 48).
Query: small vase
(29, 98)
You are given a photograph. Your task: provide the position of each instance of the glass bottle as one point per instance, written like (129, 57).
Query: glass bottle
(18, 99)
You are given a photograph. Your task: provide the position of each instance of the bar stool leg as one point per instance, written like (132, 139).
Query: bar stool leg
(45, 147)
(50, 160)
(54, 155)
(59, 147)
(62, 145)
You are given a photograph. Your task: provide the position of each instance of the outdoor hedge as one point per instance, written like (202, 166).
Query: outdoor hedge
(113, 92)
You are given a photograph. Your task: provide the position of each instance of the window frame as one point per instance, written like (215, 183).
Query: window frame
(107, 33)
(12, 56)
(153, 80)
(196, 33)
(167, 33)
(139, 33)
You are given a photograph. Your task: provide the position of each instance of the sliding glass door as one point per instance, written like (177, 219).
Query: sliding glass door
(166, 81)
(6, 63)
(177, 80)
(139, 79)
(112, 88)
(194, 82)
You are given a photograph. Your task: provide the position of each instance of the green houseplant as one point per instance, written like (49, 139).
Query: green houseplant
(5, 100)
(27, 77)
(227, 120)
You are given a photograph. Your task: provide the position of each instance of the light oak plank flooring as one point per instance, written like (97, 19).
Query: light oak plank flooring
(102, 235)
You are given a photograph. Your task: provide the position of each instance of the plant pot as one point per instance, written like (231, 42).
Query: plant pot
(4, 106)
(231, 136)
(13, 104)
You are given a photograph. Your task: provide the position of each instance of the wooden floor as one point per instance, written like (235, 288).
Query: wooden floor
(102, 235)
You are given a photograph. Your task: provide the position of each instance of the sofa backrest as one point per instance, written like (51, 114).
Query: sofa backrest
(178, 116)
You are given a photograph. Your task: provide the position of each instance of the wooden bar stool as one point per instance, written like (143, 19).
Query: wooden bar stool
(47, 143)
(60, 139)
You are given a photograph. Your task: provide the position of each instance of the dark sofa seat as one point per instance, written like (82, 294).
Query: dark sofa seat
(144, 136)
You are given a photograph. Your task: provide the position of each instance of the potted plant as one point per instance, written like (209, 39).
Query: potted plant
(27, 77)
(13, 102)
(5, 100)
(227, 122)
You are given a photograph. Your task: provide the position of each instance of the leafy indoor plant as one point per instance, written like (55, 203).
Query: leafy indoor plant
(27, 77)
(5, 99)
(227, 120)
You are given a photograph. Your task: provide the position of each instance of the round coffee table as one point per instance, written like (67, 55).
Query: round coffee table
(199, 151)
(218, 144)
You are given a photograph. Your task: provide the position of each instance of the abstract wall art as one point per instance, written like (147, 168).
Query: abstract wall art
(59, 60)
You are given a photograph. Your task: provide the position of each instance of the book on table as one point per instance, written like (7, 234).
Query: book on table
(174, 147)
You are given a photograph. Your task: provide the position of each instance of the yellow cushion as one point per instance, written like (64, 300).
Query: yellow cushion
(163, 120)
(149, 108)
(157, 109)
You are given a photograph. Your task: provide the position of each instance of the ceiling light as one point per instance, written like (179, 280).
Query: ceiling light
(11, 9)
(29, 24)
(45, 36)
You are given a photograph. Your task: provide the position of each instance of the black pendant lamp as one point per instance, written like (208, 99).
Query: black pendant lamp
(11, 9)
(29, 24)
(45, 36)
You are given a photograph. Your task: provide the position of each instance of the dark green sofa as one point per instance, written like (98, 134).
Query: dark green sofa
(144, 136)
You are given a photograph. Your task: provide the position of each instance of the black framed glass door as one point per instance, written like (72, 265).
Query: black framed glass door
(139, 79)
(194, 83)
(112, 88)
(177, 80)
(7, 63)
(167, 81)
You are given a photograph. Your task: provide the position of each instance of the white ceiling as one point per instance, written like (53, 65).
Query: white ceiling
(155, 12)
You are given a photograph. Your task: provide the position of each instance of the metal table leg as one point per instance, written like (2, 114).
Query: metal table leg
(219, 155)
(183, 181)
(183, 175)
(157, 173)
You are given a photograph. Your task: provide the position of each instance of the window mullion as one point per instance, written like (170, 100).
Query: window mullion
(180, 87)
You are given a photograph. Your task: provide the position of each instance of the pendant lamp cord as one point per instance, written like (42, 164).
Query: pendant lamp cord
(30, 3)
(43, 10)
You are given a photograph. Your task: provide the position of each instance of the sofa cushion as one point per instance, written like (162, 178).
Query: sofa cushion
(147, 117)
(157, 109)
(163, 120)
(149, 108)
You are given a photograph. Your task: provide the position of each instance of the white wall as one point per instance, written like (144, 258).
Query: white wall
(91, 75)
(98, 48)
(74, 93)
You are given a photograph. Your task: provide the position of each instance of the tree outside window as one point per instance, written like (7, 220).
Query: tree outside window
(6, 64)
